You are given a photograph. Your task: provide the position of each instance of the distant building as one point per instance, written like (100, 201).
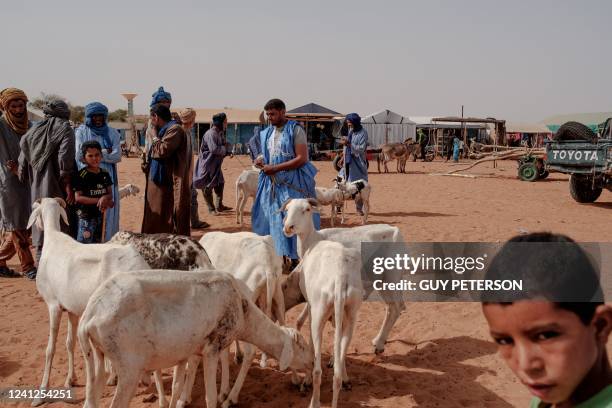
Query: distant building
(241, 125)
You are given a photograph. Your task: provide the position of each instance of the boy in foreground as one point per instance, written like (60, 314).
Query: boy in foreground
(93, 187)
(556, 348)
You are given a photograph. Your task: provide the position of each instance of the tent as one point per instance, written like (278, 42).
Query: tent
(387, 127)
(312, 110)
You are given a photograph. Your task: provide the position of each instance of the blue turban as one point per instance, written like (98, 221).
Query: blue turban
(96, 108)
(160, 95)
(355, 119)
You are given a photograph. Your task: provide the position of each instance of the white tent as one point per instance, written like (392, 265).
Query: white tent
(388, 127)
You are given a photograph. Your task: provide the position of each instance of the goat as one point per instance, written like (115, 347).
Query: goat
(68, 273)
(350, 238)
(179, 314)
(356, 190)
(330, 281)
(246, 186)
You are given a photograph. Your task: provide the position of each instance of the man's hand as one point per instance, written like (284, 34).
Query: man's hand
(12, 166)
(343, 141)
(105, 202)
(70, 197)
(259, 162)
(269, 169)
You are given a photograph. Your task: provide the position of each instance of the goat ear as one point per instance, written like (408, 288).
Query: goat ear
(287, 354)
(64, 215)
(313, 203)
(34, 216)
(285, 204)
(60, 201)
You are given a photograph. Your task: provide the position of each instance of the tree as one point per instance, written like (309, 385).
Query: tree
(77, 114)
(120, 115)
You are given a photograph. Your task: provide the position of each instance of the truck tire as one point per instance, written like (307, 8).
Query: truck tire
(581, 189)
(574, 131)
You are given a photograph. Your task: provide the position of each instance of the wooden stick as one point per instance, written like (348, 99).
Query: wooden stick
(102, 239)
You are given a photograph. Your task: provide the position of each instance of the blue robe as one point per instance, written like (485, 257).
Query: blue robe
(356, 156)
(109, 163)
(298, 183)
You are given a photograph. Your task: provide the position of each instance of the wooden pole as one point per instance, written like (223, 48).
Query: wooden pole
(103, 238)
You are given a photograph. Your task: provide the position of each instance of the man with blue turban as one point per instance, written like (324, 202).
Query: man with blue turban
(355, 161)
(208, 174)
(286, 173)
(159, 97)
(96, 128)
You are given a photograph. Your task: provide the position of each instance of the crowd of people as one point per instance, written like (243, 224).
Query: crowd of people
(51, 158)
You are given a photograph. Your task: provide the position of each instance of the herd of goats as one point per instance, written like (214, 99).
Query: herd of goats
(177, 301)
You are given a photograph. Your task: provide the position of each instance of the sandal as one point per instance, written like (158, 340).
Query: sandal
(31, 274)
(7, 272)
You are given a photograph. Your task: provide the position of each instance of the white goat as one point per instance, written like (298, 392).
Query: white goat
(207, 309)
(330, 280)
(68, 273)
(253, 260)
(128, 190)
(331, 196)
(246, 186)
(350, 238)
(356, 190)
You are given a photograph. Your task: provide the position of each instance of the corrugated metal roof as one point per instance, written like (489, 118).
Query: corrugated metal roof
(204, 115)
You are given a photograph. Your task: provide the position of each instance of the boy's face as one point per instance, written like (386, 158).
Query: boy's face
(92, 158)
(549, 349)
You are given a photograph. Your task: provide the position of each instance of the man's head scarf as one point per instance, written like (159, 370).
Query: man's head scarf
(19, 125)
(43, 138)
(160, 95)
(96, 108)
(56, 108)
(187, 116)
(355, 119)
(219, 119)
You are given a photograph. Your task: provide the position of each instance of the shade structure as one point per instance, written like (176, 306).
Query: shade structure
(387, 126)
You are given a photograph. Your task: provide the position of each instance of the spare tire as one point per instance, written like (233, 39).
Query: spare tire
(574, 131)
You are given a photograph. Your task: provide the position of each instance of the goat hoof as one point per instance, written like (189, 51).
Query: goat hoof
(111, 380)
(70, 382)
(38, 402)
(304, 388)
(229, 403)
(347, 385)
(379, 351)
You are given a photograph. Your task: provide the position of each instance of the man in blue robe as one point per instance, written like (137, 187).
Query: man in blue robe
(355, 161)
(286, 173)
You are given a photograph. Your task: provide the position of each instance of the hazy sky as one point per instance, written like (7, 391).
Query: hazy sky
(518, 60)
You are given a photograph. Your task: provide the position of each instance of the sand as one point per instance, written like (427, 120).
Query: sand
(438, 355)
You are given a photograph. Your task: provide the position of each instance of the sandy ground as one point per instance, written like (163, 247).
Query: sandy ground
(439, 355)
